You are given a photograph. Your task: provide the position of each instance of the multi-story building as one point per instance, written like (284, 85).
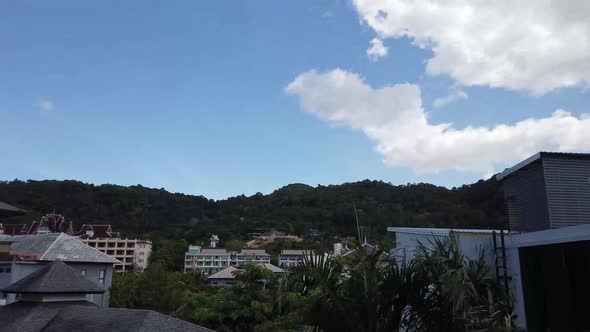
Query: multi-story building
(133, 254)
(291, 257)
(208, 261)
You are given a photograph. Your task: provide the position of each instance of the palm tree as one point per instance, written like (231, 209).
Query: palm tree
(366, 293)
(440, 290)
(461, 295)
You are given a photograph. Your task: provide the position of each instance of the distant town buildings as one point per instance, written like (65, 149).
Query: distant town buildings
(133, 254)
(211, 260)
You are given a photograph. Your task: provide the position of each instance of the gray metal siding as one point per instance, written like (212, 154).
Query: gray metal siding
(527, 200)
(568, 191)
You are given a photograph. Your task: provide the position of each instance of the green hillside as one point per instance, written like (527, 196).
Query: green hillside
(138, 210)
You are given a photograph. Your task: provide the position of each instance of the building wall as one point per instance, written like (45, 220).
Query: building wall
(568, 190)
(290, 260)
(205, 263)
(209, 263)
(22, 269)
(133, 253)
(222, 282)
(471, 244)
(526, 199)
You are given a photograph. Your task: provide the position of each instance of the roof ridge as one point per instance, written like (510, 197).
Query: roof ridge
(50, 246)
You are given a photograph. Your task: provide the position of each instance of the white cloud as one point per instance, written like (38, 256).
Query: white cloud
(530, 45)
(393, 118)
(455, 95)
(377, 49)
(45, 105)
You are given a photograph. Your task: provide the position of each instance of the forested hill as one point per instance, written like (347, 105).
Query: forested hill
(293, 208)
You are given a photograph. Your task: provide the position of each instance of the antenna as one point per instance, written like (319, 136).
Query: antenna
(358, 228)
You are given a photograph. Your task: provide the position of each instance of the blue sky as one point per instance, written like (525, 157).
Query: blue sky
(193, 96)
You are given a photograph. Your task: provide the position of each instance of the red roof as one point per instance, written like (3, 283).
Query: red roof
(54, 223)
(96, 231)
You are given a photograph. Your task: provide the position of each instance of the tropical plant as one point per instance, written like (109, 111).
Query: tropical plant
(461, 295)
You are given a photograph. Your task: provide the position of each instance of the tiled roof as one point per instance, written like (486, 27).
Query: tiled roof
(55, 277)
(98, 231)
(50, 247)
(84, 316)
(227, 273)
(54, 223)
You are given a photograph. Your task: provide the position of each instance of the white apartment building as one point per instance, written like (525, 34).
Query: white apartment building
(134, 254)
(291, 257)
(209, 261)
(294, 257)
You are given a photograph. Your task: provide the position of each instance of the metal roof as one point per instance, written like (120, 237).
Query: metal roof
(54, 246)
(538, 156)
(55, 277)
(440, 231)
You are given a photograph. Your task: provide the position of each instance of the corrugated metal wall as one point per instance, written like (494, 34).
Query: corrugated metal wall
(527, 200)
(567, 182)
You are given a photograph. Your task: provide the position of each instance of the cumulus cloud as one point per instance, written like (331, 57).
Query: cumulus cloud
(394, 119)
(456, 94)
(528, 45)
(377, 49)
(45, 105)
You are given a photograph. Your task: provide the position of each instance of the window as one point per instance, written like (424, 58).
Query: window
(141, 253)
(141, 260)
(83, 272)
(101, 277)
